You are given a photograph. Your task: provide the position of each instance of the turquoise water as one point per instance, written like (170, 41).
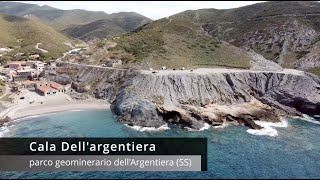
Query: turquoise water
(232, 152)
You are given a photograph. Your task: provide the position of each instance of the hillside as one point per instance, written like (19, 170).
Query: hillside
(115, 24)
(23, 34)
(176, 43)
(57, 18)
(77, 23)
(283, 32)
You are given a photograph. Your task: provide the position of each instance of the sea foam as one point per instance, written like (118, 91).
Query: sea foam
(206, 126)
(143, 129)
(308, 119)
(4, 129)
(267, 129)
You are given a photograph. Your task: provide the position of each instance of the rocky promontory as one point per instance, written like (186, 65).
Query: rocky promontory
(194, 97)
(216, 96)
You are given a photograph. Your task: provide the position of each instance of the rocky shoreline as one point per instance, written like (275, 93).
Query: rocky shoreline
(193, 98)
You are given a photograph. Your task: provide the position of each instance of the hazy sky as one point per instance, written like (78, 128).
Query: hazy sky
(152, 9)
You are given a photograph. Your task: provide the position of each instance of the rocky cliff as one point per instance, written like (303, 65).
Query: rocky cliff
(192, 98)
(215, 96)
(99, 82)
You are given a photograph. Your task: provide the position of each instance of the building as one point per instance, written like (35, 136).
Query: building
(113, 63)
(15, 87)
(50, 68)
(58, 87)
(39, 66)
(67, 89)
(10, 74)
(30, 63)
(30, 85)
(23, 75)
(43, 83)
(34, 56)
(15, 65)
(5, 71)
(46, 90)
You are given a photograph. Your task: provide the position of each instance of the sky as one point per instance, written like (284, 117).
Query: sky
(151, 9)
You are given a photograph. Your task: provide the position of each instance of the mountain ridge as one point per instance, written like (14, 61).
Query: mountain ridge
(23, 34)
(66, 20)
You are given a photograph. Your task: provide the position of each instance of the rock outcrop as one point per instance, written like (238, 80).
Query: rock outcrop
(193, 98)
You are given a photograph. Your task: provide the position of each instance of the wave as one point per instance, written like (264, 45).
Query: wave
(76, 110)
(267, 128)
(308, 119)
(206, 126)
(5, 129)
(143, 129)
(223, 125)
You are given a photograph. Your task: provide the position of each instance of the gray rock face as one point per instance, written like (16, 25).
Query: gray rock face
(136, 111)
(151, 100)
(290, 92)
(99, 82)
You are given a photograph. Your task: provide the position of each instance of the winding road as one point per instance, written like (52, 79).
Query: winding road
(42, 50)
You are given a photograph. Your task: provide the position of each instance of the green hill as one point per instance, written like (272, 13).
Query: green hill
(77, 23)
(57, 18)
(115, 24)
(23, 34)
(176, 43)
(285, 32)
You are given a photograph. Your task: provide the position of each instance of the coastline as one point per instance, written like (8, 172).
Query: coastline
(23, 111)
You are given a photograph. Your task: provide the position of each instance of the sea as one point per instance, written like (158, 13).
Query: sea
(289, 151)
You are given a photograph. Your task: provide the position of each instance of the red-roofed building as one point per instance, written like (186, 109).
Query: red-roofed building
(49, 88)
(46, 90)
(60, 88)
(16, 66)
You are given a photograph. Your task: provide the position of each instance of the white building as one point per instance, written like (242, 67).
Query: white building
(34, 56)
(39, 66)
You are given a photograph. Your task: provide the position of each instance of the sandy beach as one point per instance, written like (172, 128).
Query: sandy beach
(50, 108)
(34, 104)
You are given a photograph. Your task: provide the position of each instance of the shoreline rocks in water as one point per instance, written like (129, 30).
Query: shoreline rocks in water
(4, 120)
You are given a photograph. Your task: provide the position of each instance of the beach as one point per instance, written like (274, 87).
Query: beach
(33, 104)
(50, 108)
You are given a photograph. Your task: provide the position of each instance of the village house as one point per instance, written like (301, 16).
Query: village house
(15, 65)
(30, 63)
(43, 83)
(46, 90)
(10, 74)
(34, 56)
(67, 89)
(50, 68)
(15, 87)
(30, 85)
(39, 66)
(58, 87)
(23, 75)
